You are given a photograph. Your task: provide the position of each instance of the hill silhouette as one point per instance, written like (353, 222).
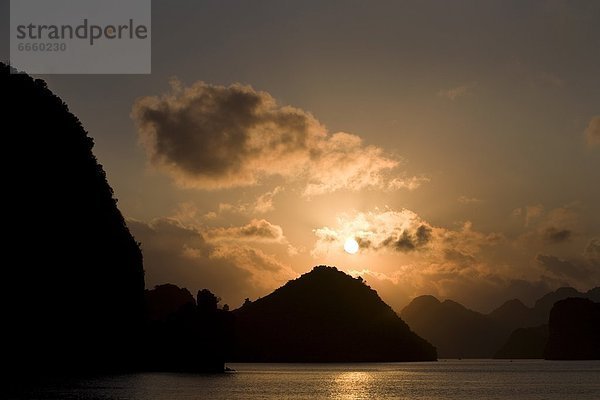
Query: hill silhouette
(183, 334)
(165, 300)
(514, 314)
(542, 307)
(574, 330)
(75, 282)
(525, 343)
(458, 332)
(325, 316)
(511, 315)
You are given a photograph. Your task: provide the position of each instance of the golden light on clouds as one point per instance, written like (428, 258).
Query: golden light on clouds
(276, 185)
(213, 137)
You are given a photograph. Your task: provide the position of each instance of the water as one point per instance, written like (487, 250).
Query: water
(445, 379)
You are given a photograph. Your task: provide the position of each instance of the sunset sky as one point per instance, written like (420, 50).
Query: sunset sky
(458, 142)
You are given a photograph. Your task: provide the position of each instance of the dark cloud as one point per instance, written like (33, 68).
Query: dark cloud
(407, 241)
(261, 228)
(210, 136)
(211, 133)
(554, 235)
(363, 243)
(459, 257)
(563, 268)
(256, 230)
(423, 235)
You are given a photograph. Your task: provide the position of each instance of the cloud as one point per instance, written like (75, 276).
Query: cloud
(390, 231)
(529, 213)
(407, 241)
(402, 255)
(409, 183)
(398, 231)
(263, 204)
(563, 268)
(186, 256)
(257, 230)
(468, 200)
(592, 250)
(584, 268)
(405, 255)
(554, 235)
(342, 161)
(459, 257)
(592, 132)
(456, 92)
(559, 224)
(208, 136)
(533, 212)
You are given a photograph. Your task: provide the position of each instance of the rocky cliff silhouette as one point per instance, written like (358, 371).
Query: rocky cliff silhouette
(75, 284)
(458, 332)
(325, 316)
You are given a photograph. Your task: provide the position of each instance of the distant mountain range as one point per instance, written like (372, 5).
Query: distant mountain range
(458, 332)
(328, 316)
(325, 316)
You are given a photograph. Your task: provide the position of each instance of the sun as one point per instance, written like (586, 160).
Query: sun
(351, 246)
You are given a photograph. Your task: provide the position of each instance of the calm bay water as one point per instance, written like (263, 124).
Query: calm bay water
(445, 379)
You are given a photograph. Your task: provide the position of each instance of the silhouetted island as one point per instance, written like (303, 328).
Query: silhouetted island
(165, 300)
(75, 283)
(530, 341)
(183, 334)
(525, 343)
(574, 330)
(76, 288)
(325, 316)
(542, 307)
(513, 314)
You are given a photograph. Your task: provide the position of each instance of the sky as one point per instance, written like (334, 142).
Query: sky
(458, 143)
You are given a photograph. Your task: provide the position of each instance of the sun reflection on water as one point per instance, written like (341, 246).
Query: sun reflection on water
(352, 385)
